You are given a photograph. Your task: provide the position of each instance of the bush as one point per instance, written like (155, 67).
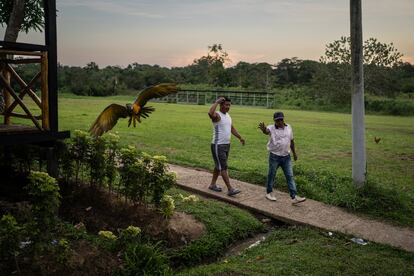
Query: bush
(45, 199)
(10, 237)
(389, 106)
(145, 259)
(144, 178)
(167, 206)
(97, 161)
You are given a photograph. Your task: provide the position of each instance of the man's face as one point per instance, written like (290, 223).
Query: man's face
(279, 122)
(225, 106)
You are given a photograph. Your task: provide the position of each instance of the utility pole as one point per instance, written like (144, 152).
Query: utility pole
(358, 109)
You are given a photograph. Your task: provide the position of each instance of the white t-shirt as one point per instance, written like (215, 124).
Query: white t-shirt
(222, 129)
(279, 140)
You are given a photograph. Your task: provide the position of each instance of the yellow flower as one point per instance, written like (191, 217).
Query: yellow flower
(107, 234)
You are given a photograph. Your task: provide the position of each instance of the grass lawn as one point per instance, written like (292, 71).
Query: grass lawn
(323, 141)
(305, 251)
(183, 133)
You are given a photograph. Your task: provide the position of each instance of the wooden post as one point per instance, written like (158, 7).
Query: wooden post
(358, 109)
(44, 91)
(52, 164)
(6, 98)
(51, 43)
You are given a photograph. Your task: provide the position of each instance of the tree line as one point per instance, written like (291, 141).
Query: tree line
(323, 82)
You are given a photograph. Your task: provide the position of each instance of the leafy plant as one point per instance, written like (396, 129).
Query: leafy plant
(160, 179)
(10, 237)
(167, 206)
(45, 199)
(130, 235)
(97, 161)
(62, 251)
(107, 235)
(112, 142)
(145, 259)
(79, 149)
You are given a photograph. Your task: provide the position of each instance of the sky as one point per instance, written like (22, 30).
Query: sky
(175, 32)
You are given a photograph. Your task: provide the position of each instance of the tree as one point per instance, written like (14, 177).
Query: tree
(375, 52)
(212, 65)
(20, 15)
(379, 61)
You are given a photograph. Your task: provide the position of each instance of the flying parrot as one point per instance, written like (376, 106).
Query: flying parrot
(110, 115)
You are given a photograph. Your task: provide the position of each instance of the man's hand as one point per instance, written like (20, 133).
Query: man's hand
(242, 141)
(295, 156)
(220, 100)
(262, 127)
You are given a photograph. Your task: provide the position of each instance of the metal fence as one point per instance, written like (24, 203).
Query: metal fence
(202, 97)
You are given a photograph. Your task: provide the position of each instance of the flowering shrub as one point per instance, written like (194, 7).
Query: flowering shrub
(132, 231)
(130, 234)
(107, 235)
(142, 178)
(191, 198)
(167, 206)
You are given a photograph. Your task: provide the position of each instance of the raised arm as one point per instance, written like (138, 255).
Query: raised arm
(212, 111)
(263, 128)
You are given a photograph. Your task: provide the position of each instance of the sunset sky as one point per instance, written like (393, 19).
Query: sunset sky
(175, 32)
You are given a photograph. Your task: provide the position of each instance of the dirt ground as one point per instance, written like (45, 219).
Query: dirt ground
(97, 210)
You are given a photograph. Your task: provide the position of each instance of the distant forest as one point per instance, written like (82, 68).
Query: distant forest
(389, 82)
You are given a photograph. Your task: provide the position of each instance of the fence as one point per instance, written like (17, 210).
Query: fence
(201, 97)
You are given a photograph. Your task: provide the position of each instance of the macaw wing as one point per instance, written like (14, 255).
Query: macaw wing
(108, 119)
(156, 91)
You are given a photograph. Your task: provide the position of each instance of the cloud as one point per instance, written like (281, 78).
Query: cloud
(118, 7)
(409, 59)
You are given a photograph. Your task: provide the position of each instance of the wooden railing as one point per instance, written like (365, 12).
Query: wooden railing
(13, 98)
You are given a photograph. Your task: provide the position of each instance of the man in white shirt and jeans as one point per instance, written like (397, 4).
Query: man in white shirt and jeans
(220, 145)
(279, 146)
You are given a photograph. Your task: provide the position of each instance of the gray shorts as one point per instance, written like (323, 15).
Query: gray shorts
(220, 155)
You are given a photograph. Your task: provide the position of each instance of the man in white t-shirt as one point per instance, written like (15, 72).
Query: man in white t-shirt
(220, 145)
(279, 146)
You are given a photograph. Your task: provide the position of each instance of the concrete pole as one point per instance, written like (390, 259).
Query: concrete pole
(358, 109)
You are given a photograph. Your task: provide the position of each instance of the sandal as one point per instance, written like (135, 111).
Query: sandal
(233, 192)
(215, 188)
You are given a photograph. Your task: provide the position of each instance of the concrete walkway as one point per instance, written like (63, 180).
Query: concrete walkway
(310, 212)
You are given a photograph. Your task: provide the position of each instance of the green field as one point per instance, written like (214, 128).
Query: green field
(323, 142)
(183, 133)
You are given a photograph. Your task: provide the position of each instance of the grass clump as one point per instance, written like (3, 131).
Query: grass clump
(224, 224)
(306, 251)
(380, 201)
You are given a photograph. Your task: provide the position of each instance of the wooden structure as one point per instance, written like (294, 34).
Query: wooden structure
(43, 127)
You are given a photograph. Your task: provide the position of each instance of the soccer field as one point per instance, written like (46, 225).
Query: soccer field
(323, 140)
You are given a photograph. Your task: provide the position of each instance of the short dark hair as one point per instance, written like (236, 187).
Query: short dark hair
(226, 99)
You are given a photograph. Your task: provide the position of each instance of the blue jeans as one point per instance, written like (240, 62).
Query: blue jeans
(283, 161)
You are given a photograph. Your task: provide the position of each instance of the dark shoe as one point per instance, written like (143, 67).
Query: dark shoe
(215, 188)
(233, 192)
